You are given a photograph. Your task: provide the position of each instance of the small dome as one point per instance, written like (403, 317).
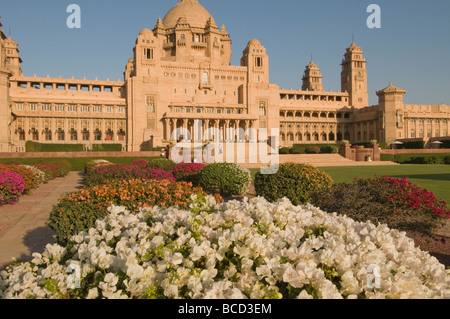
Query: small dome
(146, 32)
(196, 15)
(254, 42)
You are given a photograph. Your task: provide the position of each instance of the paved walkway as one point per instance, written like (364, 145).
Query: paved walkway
(22, 226)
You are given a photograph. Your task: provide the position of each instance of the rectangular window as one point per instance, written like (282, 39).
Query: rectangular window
(258, 62)
(85, 108)
(413, 133)
(436, 133)
(413, 121)
(109, 109)
(148, 54)
(59, 108)
(178, 110)
(97, 109)
(34, 107)
(19, 107)
(46, 107)
(72, 108)
(121, 109)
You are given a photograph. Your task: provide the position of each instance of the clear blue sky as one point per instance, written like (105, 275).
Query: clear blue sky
(412, 48)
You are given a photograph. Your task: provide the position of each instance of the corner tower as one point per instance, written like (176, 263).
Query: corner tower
(354, 77)
(312, 79)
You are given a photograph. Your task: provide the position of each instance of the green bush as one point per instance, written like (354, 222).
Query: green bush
(162, 163)
(312, 150)
(225, 178)
(421, 158)
(107, 148)
(387, 157)
(296, 182)
(284, 150)
(32, 147)
(447, 160)
(297, 150)
(328, 149)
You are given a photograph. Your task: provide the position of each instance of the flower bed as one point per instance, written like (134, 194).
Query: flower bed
(249, 249)
(29, 177)
(103, 174)
(392, 201)
(12, 186)
(188, 172)
(78, 211)
(51, 171)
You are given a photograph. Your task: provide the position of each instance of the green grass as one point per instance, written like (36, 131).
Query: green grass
(78, 164)
(434, 178)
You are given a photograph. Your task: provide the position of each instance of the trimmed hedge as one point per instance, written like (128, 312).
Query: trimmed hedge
(433, 158)
(34, 147)
(107, 148)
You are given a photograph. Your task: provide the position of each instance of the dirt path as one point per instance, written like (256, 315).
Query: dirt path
(22, 226)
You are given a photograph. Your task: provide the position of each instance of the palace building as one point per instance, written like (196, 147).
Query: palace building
(180, 72)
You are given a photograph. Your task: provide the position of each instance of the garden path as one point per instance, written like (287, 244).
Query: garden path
(22, 226)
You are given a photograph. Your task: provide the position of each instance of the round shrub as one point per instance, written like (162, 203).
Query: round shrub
(297, 182)
(284, 150)
(29, 177)
(78, 211)
(188, 172)
(392, 201)
(228, 179)
(237, 250)
(162, 163)
(12, 186)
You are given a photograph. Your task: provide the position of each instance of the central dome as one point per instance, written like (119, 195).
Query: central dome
(196, 15)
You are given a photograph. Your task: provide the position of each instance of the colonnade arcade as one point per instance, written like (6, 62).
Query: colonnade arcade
(202, 130)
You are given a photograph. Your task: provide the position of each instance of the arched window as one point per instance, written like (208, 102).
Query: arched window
(86, 135)
(73, 135)
(97, 135)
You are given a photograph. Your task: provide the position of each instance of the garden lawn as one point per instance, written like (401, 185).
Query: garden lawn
(78, 164)
(434, 178)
